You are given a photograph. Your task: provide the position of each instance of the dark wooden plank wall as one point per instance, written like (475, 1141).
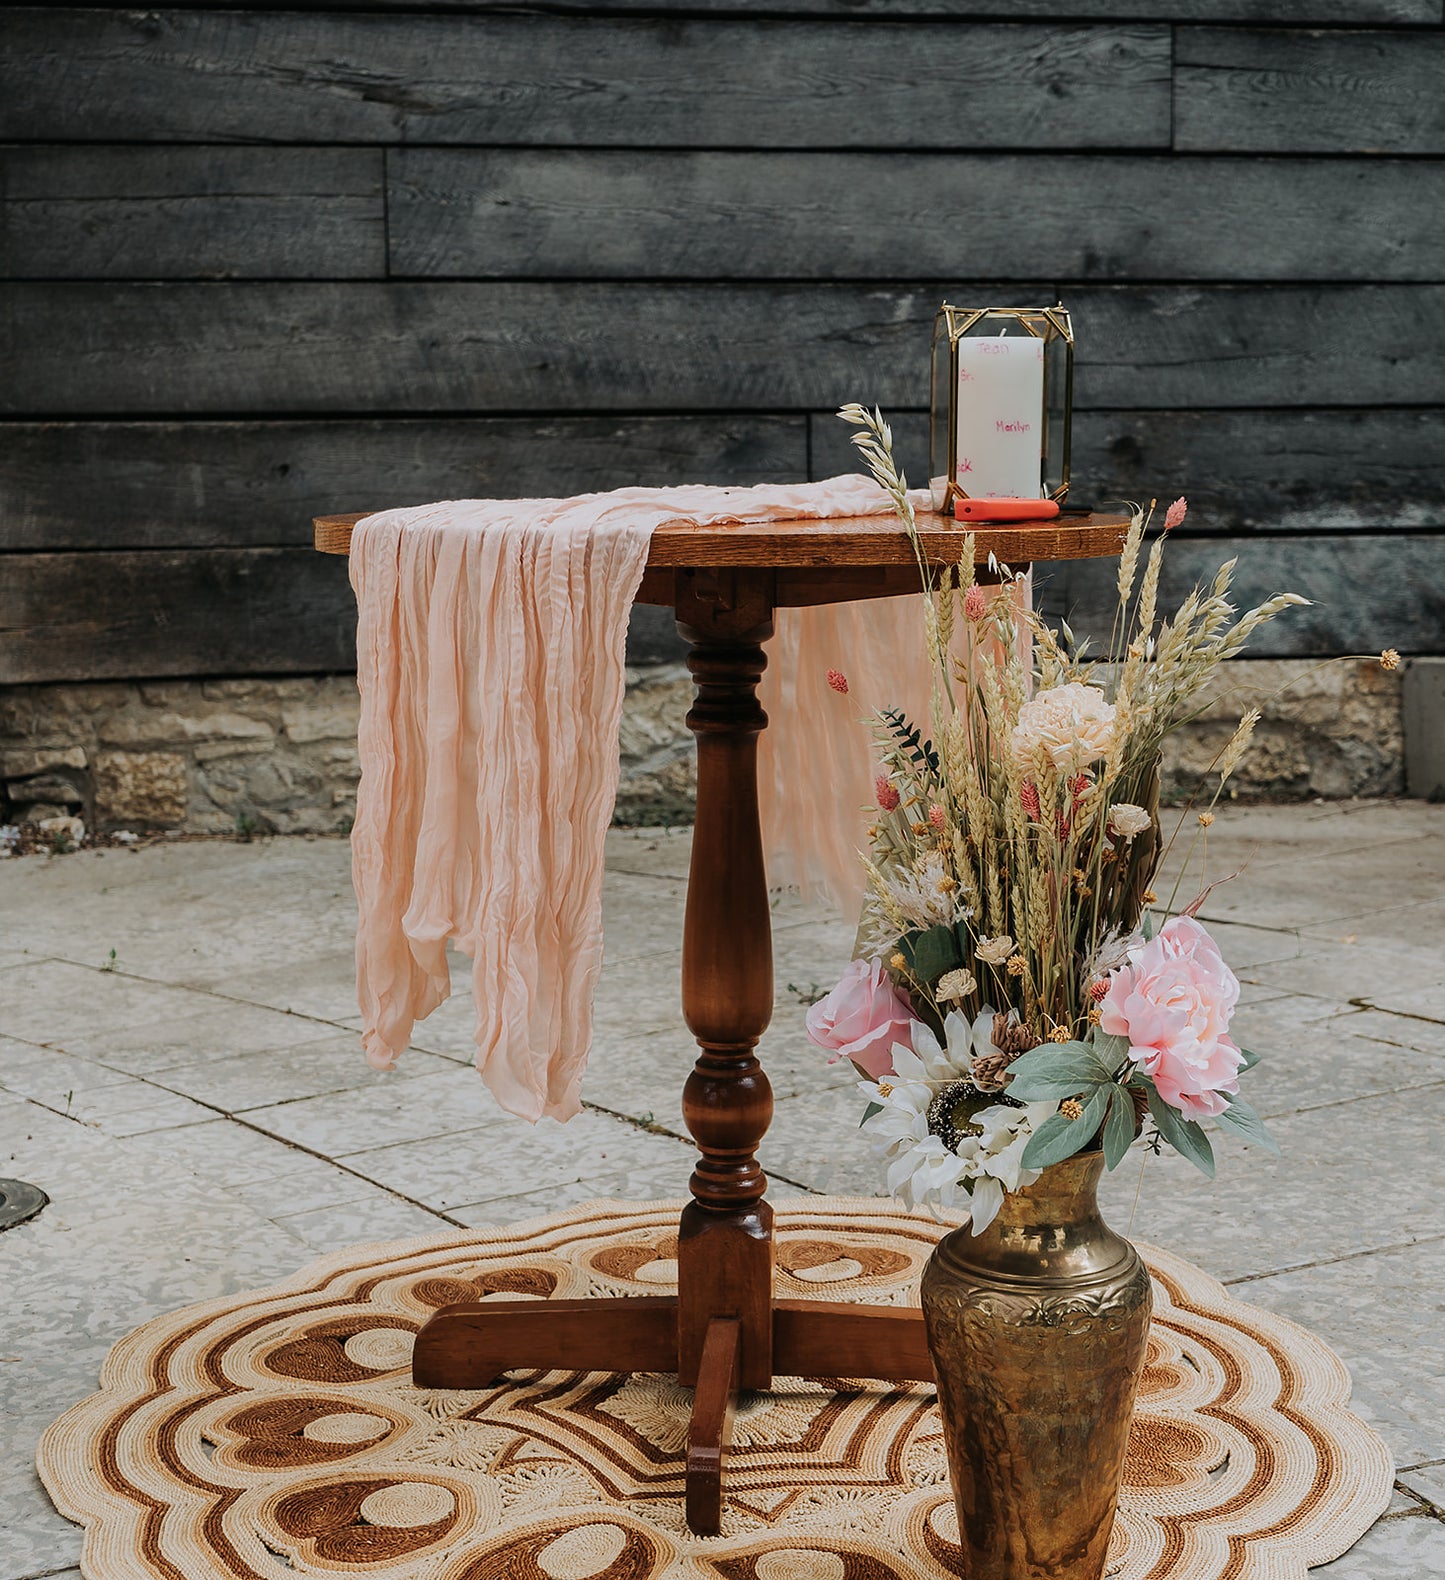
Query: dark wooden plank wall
(259, 263)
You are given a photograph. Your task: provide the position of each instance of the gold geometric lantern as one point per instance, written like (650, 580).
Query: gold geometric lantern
(1003, 385)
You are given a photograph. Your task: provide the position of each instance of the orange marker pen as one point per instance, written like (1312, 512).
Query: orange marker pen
(1005, 509)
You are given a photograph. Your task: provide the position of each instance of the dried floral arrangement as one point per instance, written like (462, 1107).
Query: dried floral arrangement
(1014, 999)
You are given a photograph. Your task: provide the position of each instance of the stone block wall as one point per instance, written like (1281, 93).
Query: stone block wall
(269, 755)
(1328, 730)
(208, 757)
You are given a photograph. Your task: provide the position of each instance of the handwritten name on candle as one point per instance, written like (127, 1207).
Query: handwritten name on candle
(999, 415)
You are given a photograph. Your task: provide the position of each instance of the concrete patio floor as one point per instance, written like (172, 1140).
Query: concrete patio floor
(180, 1071)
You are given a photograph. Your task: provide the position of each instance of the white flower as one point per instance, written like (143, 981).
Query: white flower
(950, 1061)
(995, 951)
(980, 1039)
(1126, 820)
(1005, 1132)
(921, 1170)
(953, 985)
(1072, 725)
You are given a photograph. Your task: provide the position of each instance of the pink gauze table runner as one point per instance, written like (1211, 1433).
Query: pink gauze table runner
(491, 663)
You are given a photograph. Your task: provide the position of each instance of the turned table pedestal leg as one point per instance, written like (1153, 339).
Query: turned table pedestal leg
(723, 1332)
(725, 1243)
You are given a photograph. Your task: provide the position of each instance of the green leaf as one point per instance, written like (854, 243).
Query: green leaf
(1060, 1137)
(1118, 1127)
(1113, 1050)
(1182, 1134)
(1246, 1123)
(911, 739)
(1056, 1069)
(932, 953)
(1056, 1139)
(1250, 1059)
(868, 1113)
(1146, 925)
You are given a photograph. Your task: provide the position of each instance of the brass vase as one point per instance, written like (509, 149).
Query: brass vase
(1038, 1330)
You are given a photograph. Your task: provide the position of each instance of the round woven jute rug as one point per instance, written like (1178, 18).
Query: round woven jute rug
(277, 1433)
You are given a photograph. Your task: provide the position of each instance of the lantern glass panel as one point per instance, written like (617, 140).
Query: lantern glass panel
(958, 356)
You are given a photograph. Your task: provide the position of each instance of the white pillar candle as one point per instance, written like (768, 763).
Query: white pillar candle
(1000, 411)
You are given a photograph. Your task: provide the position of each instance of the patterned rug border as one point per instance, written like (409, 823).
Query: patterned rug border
(136, 1366)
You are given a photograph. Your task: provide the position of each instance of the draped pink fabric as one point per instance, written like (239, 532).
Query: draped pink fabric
(815, 764)
(491, 638)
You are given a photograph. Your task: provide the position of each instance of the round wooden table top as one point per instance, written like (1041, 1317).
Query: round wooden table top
(842, 540)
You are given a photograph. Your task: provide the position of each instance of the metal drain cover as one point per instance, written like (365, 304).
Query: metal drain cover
(19, 1201)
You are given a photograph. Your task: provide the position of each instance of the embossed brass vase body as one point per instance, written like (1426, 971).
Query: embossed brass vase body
(1038, 1329)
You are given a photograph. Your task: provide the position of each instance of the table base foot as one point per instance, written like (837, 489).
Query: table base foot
(472, 1345)
(714, 1404)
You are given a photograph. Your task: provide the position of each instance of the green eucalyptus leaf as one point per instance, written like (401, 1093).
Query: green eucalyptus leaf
(868, 1113)
(931, 953)
(1060, 1137)
(1056, 1139)
(1246, 1123)
(1182, 1134)
(1112, 1049)
(1146, 926)
(1118, 1127)
(1056, 1069)
(1250, 1059)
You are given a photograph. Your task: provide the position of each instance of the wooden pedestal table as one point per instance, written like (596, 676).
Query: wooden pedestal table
(724, 1330)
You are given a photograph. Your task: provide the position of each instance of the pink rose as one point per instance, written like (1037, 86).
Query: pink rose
(1173, 1001)
(862, 1018)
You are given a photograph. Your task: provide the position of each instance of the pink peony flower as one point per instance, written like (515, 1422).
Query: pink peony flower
(888, 797)
(862, 1018)
(1175, 513)
(838, 681)
(1173, 1001)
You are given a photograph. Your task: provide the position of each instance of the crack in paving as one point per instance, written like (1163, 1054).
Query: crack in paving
(285, 1141)
(652, 1128)
(1333, 1261)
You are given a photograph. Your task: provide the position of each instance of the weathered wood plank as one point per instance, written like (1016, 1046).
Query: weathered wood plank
(111, 615)
(189, 213)
(74, 213)
(129, 485)
(1288, 12)
(698, 215)
(1295, 11)
(279, 76)
(1242, 471)
(193, 612)
(1369, 592)
(247, 348)
(1244, 346)
(250, 348)
(1277, 91)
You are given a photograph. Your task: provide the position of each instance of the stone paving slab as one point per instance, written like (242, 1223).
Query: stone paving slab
(198, 1107)
(464, 1168)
